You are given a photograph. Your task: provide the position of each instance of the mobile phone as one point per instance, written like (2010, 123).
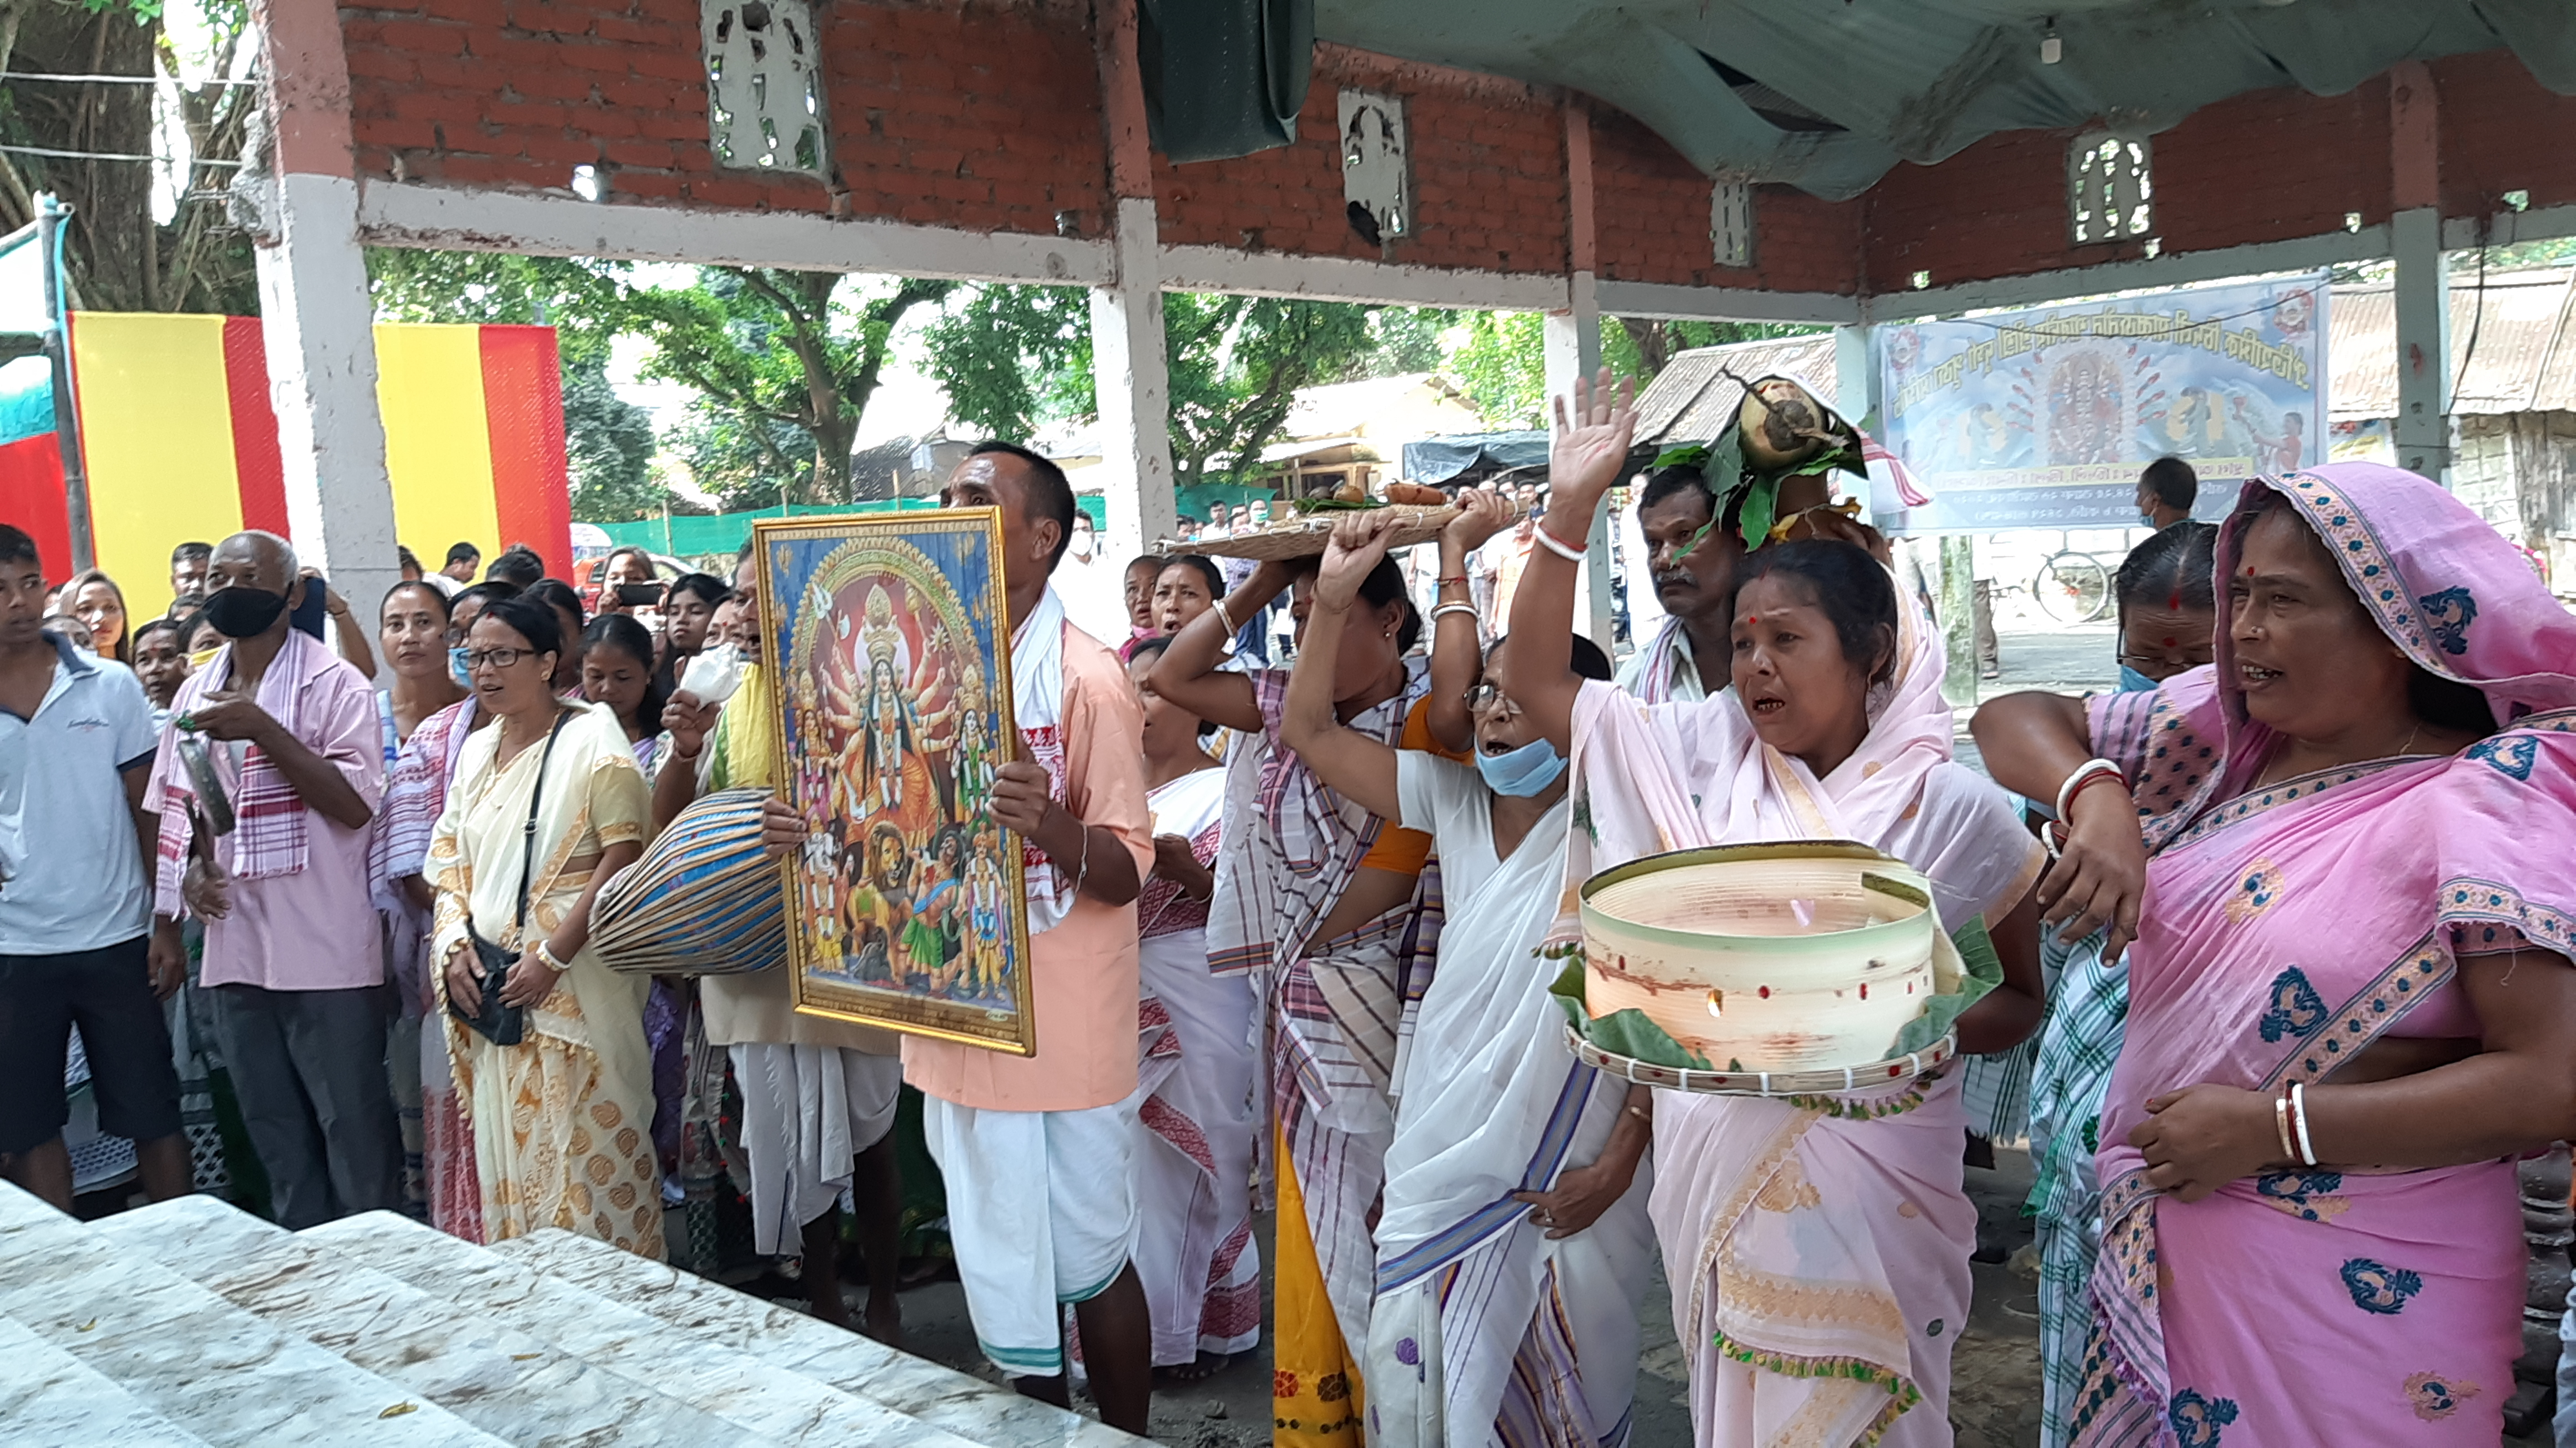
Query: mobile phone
(638, 595)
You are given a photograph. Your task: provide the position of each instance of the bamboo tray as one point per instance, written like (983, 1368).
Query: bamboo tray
(1895, 1070)
(1304, 536)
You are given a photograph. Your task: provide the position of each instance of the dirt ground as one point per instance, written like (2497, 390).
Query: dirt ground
(1994, 1393)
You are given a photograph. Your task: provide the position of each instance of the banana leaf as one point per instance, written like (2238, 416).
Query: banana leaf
(1627, 1033)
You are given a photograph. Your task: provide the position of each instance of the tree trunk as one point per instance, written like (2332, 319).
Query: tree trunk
(109, 249)
(834, 440)
(1654, 340)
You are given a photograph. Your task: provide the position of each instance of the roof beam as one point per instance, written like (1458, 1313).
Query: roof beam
(1349, 279)
(1726, 304)
(450, 218)
(2173, 269)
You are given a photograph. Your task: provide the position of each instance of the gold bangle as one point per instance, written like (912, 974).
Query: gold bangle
(2281, 1121)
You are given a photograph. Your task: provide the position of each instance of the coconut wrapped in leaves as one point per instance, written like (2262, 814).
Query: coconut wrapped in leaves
(1781, 433)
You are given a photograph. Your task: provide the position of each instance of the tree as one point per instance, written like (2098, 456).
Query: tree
(610, 442)
(583, 300)
(1500, 358)
(1012, 357)
(746, 463)
(118, 256)
(777, 351)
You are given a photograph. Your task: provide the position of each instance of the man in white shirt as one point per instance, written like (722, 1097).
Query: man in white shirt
(76, 744)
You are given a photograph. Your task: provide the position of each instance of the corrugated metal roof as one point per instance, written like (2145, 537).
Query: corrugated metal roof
(2511, 354)
(1918, 80)
(1692, 399)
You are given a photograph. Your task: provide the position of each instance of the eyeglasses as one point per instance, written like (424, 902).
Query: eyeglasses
(1488, 699)
(496, 658)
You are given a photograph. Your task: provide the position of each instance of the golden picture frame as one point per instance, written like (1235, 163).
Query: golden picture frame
(891, 691)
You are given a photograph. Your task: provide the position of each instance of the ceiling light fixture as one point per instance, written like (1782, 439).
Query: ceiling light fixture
(2051, 49)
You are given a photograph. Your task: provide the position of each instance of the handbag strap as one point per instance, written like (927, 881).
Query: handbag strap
(536, 797)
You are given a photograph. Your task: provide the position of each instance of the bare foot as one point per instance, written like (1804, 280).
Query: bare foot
(884, 1319)
(1208, 1365)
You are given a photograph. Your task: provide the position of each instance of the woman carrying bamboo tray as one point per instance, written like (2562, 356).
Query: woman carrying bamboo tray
(1817, 1245)
(1318, 899)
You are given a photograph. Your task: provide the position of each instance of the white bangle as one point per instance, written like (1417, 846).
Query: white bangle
(2075, 781)
(1468, 609)
(2299, 1118)
(1231, 628)
(1557, 546)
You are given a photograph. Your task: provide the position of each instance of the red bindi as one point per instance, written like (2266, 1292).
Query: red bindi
(2171, 641)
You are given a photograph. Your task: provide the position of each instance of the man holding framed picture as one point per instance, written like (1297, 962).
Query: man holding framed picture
(1036, 1149)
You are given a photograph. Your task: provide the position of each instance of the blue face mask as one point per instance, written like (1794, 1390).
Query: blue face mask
(456, 669)
(2146, 520)
(1523, 772)
(2133, 682)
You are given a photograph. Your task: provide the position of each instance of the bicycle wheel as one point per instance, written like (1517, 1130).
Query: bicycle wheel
(2072, 587)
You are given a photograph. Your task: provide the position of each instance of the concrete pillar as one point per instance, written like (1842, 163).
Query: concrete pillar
(2422, 286)
(1959, 619)
(1128, 373)
(1855, 377)
(1128, 368)
(316, 317)
(1573, 346)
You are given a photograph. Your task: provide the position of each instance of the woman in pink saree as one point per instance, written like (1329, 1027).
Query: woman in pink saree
(2347, 871)
(1817, 1245)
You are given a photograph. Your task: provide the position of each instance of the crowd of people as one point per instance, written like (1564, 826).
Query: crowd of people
(2282, 926)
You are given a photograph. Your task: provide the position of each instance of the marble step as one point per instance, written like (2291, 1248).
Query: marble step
(968, 1406)
(511, 1383)
(185, 1355)
(48, 1396)
(744, 1390)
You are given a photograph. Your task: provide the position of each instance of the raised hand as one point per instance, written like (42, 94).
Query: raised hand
(1358, 543)
(1482, 513)
(1590, 449)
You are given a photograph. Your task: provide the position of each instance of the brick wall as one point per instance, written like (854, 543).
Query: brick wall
(1651, 218)
(983, 115)
(2266, 166)
(2502, 132)
(1488, 175)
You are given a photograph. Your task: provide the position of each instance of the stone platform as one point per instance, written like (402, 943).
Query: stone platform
(191, 1322)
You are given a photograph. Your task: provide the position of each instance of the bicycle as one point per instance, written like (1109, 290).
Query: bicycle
(2072, 587)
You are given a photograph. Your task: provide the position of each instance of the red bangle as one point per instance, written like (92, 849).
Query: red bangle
(2087, 782)
(1460, 580)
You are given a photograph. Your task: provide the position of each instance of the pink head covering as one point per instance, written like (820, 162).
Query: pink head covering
(2440, 582)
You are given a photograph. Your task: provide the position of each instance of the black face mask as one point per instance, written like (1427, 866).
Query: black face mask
(243, 613)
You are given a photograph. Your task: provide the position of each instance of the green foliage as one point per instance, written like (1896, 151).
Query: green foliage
(747, 463)
(611, 446)
(1012, 357)
(584, 301)
(1405, 339)
(1499, 359)
(773, 351)
(1236, 364)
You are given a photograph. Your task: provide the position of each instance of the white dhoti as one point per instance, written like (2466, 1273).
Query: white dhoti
(806, 1112)
(1042, 1210)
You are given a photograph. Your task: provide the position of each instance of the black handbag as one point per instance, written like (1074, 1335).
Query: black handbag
(506, 1025)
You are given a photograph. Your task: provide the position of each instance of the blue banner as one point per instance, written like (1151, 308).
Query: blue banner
(2043, 418)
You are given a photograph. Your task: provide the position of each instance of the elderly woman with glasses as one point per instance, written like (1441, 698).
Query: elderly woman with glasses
(548, 805)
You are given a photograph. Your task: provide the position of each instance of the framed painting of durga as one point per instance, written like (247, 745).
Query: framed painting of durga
(892, 695)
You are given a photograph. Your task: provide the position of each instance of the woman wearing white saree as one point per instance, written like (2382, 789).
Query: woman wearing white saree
(1817, 1245)
(1494, 1322)
(1195, 1252)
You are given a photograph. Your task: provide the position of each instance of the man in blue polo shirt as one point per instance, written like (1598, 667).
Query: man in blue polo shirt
(76, 745)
